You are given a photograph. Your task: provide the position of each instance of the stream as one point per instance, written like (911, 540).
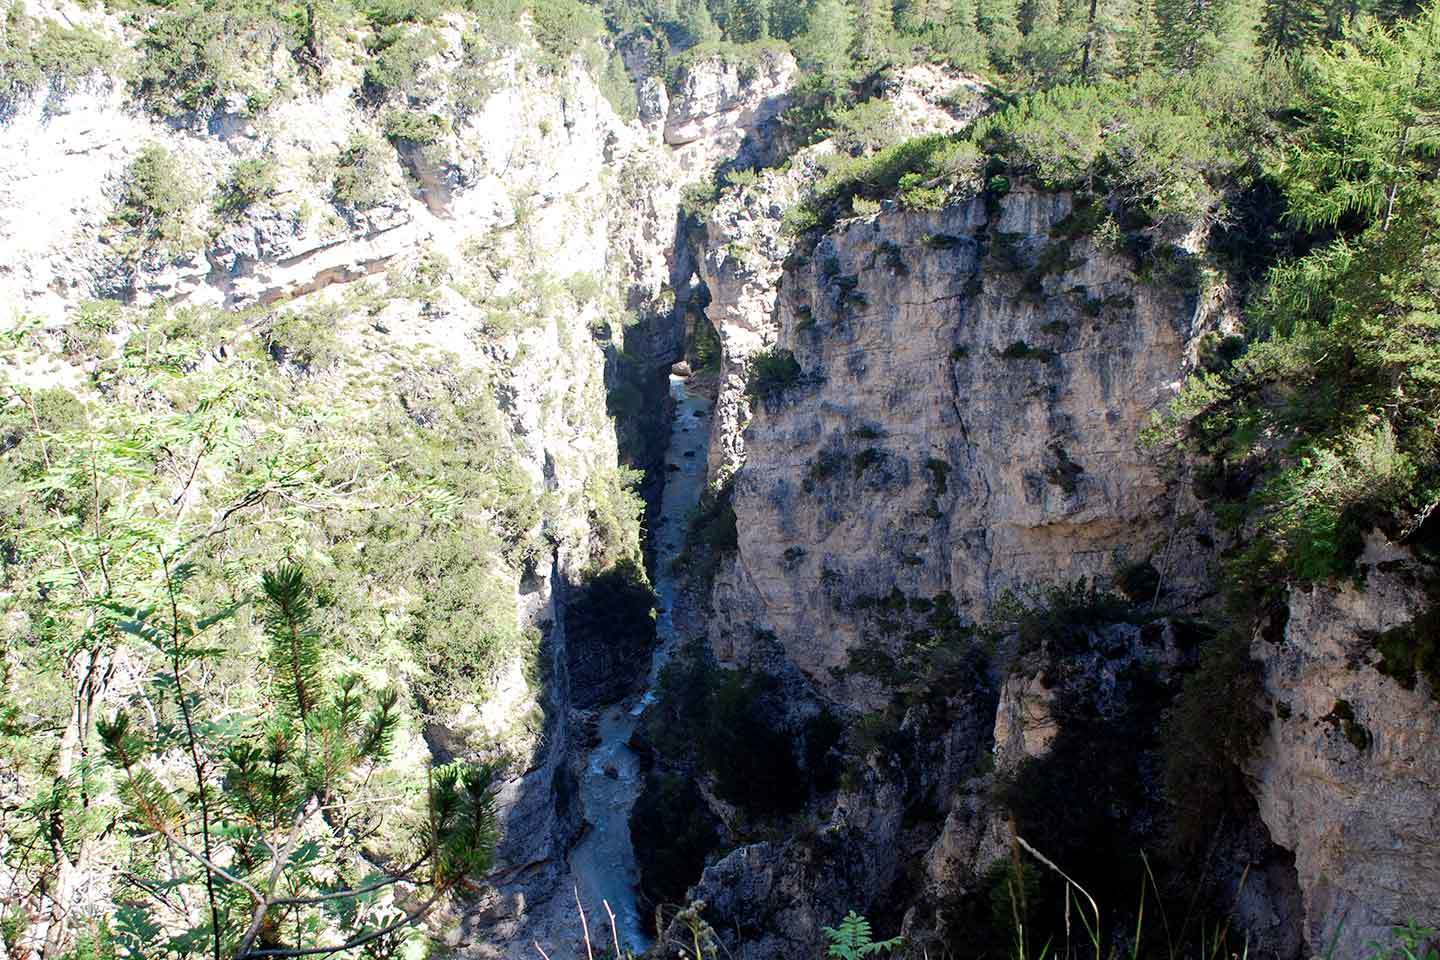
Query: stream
(603, 862)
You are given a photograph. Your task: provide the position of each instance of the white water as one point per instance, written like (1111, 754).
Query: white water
(603, 862)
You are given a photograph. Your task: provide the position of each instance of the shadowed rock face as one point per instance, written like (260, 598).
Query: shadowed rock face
(610, 633)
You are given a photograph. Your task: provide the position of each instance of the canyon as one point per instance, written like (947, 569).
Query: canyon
(961, 433)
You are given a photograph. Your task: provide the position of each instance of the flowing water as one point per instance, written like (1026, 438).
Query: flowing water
(603, 862)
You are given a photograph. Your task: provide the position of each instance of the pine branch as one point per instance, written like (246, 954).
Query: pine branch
(294, 650)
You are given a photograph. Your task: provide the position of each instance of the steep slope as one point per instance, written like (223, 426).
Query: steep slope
(1346, 775)
(522, 238)
(964, 419)
(927, 423)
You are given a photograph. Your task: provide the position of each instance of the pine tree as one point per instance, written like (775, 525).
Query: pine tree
(874, 33)
(1192, 32)
(1348, 363)
(1038, 15)
(788, 18)
(1288, 25)
(1136, 45)
(919, 17)
(959, 36)
(999, 23)
(313, 747)
(749, 21)
(824, 47)
(695, 19)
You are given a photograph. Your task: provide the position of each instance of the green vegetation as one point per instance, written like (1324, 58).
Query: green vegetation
(200, 56)
(1341, 361)
(673, 831)
(183, 525)
(35, 52)
(256, 784)
(772, 372)
(1412, 651)
(1206, 749)
(1020, 350)
(362, 176)
(153, 215)
(250, 182)
(399, 52)
(732, 726)
(853, 940)
(413, 126)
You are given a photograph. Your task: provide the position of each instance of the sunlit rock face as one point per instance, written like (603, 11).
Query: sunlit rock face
(1347, 777)
(966, 421)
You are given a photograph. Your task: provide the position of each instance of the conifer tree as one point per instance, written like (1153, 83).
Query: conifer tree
(824, 47)
(749, 21)
(694, 17)
(918, 17)
(959, 35)
(1288, 25)
(999, 23)
(1136, 42)
(1192, 32)
(1038, 15)
(308, 751)
(788, 18)
(874, 33)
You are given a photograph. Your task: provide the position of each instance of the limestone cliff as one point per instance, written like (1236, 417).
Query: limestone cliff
(961, 424)
(1347, 776)
(965, 420)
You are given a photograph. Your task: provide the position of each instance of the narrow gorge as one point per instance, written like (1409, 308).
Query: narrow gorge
(555, 480)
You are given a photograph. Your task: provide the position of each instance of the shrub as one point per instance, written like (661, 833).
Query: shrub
(413, 126)
(614, 510)
(362, 178)
(865, 127)
(772, 372)
(1412, 650)
(249, 182)
(397, 59)
(465, 629)
(1211, 732)
(921, 169)
(939, 474)
(197, 56)
(305, 339)
(732, 724)
(673, 831)
(698, 199)
(1060, 615)
(33, 53)
(747, 57)
(562, 27)
(712, 522)
(1020, 350)
(618, 87)
(705, 348)
(153, 212)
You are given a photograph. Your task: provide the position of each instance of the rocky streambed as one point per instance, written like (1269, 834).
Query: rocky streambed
(603, 862)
